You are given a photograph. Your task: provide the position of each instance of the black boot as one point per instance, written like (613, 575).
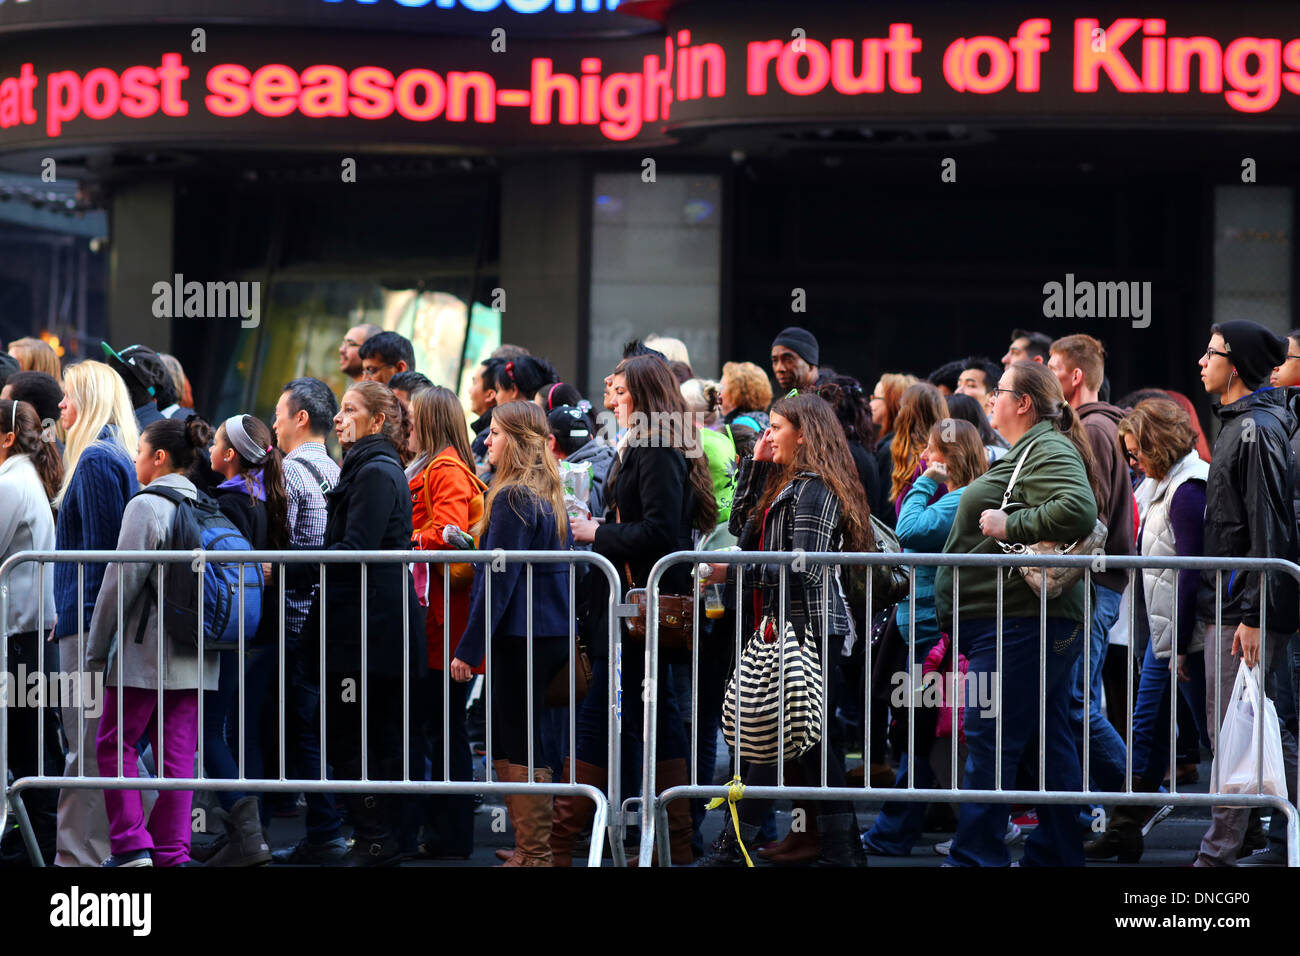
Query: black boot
(841, 844)
(725, 851)
(1122, 839)
(373, 841)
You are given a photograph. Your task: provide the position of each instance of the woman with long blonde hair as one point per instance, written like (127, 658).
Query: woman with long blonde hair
(98, 479)
(523, 511)
(921, 408)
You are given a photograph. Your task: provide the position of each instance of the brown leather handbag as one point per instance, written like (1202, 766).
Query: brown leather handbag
(676, 617)
(557, 691)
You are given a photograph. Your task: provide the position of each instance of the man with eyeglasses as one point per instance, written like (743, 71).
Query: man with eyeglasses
(350, 350)
(1248, 513)
(385, 355)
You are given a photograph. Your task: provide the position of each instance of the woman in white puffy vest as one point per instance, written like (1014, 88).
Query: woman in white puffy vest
(1157, 437)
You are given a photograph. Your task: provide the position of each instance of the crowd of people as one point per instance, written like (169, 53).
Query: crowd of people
(976, 458)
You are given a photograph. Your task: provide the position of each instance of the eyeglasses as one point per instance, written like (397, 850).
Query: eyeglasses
(1132, 458)
(1290, 356)
(1210, 353)
(997, 390)
(372, 372)
(792, 393)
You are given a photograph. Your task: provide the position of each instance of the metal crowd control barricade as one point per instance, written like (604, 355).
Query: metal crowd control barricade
(494, 561)
(654, 824)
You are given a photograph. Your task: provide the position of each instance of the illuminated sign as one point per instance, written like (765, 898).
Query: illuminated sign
(324, 87)
(513, 6)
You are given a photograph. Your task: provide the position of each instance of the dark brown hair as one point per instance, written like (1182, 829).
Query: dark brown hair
(666, 422)
(181, 440)
(20, 418)
(824, 452)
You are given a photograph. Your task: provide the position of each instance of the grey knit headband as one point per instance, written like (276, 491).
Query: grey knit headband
(248, 449)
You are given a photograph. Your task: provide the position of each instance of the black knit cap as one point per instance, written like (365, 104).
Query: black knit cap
(1254, 350)
(800, 341)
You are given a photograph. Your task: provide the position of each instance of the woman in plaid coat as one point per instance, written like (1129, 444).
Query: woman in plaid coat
(801, 492)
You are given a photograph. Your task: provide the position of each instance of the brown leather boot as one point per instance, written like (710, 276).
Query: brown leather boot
(573, 815)
(669, 774)
(531, 814)
(800, 847)
(505, 854)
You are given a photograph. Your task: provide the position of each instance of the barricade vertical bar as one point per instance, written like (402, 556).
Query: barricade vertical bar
(649, 709)
(406, 676)
(199, 642)
(826, 658)
(909, 649)
(780, 700)
(740, 603)
(280, 688)
(446, 673)
(1218, 674)
(1128, 699)
(365, 699)
(81, 669)
(695, 677)
(574, 664)
(243, 709)
(529, 664)
(1173, 699)
(1042, 685)
(997, 718)
(614, 718)
(1263, 679)
(160, 746)
(1087, 676)
(40, 666)
(488, 674)
(866, 688)
(957, 700)
(322, 604)
(81, 666)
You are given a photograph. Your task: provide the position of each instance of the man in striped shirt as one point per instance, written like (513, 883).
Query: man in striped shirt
(303, 417)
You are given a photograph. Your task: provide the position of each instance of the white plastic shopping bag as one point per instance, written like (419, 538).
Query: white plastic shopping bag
(1237, 760)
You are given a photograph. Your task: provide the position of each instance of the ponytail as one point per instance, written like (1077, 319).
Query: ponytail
(1044, 391)
(182, 441)
(20, 419)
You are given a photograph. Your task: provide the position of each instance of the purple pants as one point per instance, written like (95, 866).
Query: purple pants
(167, 833)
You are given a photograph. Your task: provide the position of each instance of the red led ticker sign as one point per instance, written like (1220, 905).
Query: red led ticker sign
(1251, 73)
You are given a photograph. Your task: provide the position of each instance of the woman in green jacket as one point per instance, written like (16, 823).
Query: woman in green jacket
(1053, 499)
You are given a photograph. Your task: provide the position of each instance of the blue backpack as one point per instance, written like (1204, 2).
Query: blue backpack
(199, 523)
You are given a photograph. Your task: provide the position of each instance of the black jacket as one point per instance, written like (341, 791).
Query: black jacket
(369, 510)
(885, 464)
(1249, 509)
(869, 477)
(650, 493)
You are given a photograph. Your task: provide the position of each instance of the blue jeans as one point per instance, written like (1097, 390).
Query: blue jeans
(1151, 716)
(1104, 742)
(221, 718)
(981, 828)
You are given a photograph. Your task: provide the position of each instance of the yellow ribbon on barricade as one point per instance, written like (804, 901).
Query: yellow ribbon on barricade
(735, 792)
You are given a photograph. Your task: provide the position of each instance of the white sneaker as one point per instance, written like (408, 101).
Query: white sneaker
(1013, 836)
(1156, 818)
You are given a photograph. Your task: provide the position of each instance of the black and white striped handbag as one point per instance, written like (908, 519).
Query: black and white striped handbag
(759, 699)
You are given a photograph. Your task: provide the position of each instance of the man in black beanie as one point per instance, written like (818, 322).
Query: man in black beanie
(1248, 513)
(794, 359)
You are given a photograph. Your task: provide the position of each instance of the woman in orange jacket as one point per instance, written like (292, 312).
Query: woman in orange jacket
(444, 491)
